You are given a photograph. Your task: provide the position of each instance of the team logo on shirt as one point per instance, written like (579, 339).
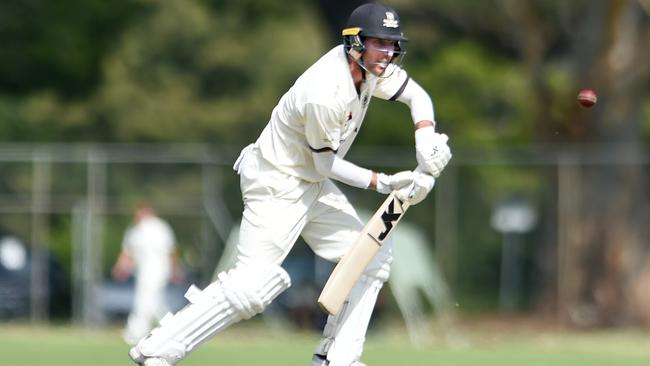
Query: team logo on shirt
(390, 21)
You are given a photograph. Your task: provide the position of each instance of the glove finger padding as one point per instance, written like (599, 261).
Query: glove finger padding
(404, 193)
(418, 191)
(388, 183)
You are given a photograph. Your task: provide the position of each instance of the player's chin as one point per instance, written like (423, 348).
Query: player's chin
(379, 68)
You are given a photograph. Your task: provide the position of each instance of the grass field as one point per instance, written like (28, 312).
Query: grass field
(483, 344)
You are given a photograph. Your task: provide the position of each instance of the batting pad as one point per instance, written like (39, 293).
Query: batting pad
(237, 294)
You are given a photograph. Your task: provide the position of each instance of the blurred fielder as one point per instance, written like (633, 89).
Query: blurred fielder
(147, 251)
(286, 180)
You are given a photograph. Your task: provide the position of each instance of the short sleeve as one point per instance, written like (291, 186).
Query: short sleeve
(127, 240)
(322, 127)
(389, 88)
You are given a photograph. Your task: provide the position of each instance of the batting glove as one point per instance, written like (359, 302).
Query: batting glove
(431, 151)
(417, 191)
(388, 183)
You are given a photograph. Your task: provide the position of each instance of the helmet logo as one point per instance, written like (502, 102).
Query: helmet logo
(390, 21)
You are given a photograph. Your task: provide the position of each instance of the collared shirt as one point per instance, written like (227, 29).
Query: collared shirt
(322, 111)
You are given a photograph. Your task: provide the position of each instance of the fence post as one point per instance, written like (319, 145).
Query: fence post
(39, 273)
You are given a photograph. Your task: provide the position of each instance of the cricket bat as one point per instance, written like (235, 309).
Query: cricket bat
(354, 262)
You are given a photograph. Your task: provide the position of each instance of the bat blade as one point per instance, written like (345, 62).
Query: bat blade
(350, 268)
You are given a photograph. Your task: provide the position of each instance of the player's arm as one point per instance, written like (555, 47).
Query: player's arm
(323, 132)
(125, 263)
(432, 151)
(330, 165)
(400, 87)
(123, 266)
(431, 148)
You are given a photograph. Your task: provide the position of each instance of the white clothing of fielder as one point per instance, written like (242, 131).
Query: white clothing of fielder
(287, 194)
(150, 243)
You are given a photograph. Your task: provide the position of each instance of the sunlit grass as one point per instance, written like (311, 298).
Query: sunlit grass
(257, 344)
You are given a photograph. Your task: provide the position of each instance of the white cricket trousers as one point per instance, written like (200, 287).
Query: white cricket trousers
(149, 305)
(278, 208)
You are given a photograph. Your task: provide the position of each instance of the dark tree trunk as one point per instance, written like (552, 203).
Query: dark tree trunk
(606, 271)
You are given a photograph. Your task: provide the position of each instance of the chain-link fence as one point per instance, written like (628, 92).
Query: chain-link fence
(502, 222)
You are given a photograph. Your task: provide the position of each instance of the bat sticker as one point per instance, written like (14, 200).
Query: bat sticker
(388, 217)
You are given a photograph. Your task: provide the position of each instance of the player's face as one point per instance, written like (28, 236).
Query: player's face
(378, 54)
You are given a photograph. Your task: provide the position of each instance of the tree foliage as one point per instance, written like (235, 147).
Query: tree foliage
(58, 44)
(181, 71)
(499, 71)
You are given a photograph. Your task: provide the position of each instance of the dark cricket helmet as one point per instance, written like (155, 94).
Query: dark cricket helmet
(374, 20)
(377, 21)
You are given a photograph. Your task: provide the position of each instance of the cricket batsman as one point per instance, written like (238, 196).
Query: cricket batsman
(287, 183)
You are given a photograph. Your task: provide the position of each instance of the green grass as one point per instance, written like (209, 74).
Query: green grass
(258, 345)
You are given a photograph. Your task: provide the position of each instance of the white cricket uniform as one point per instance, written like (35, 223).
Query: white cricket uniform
(150, 243)
(284, 195)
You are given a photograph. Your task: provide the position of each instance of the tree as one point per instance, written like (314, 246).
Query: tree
(58, 44)
(185, 71)
(563, 46)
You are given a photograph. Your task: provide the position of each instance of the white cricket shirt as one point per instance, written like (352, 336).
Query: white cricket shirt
(322, 110)
(150, 242)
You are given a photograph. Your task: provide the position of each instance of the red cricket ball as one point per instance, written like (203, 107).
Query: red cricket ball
(587, 98)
